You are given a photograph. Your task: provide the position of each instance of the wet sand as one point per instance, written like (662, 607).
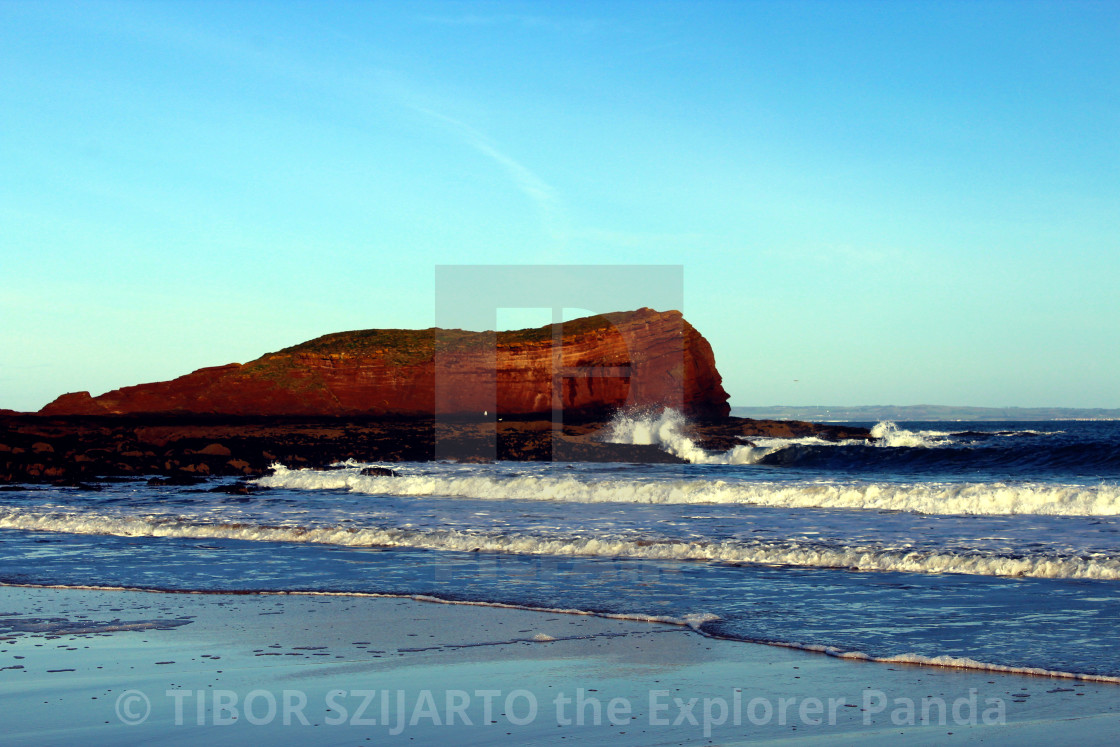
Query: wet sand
(121, 667)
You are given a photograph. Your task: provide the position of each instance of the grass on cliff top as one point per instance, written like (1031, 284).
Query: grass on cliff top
(544, 334)
(404, 347)
(403, 343)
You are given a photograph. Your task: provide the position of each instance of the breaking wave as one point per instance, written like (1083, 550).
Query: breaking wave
(943, 661)
(891, 448)
(928, 498)
(667, 429)
(778, 553)
(890, 435)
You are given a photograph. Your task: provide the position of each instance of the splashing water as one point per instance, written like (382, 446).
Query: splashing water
(668, 429)
(888, 434)
(664, 429)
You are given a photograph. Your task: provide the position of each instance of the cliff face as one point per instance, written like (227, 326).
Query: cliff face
(638, 358)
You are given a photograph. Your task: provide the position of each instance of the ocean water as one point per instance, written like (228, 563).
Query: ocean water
(989, 545)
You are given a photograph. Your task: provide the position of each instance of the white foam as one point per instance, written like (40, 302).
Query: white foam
(664, 429)
(887, 434)
(928, 498)
(784, 553)
(948, 662)
(668, 427)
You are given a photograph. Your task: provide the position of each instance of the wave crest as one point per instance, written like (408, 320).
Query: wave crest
(778, 553)
(891, 448)
(984, 498)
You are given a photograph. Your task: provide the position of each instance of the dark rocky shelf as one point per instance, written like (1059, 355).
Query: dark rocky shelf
(74, 450)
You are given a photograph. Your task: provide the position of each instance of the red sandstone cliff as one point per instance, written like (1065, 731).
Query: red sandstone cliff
(637, 358)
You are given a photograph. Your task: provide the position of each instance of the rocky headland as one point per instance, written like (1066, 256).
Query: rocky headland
(394, 395)
(639, 359)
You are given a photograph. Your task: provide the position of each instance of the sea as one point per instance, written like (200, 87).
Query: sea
(980, 545)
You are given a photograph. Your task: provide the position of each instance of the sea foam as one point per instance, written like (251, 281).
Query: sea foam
(781, 553)
(668, 429)
(984, 498)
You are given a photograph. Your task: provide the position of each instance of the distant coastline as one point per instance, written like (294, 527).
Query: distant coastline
(825, 414)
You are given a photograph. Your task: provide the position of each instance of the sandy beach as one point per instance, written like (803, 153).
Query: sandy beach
(126, 667)
(431, 372)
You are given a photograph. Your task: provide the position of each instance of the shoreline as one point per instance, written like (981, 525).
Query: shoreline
(227, 667)
(691, 623)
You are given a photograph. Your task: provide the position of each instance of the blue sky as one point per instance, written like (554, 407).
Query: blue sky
(874, 203)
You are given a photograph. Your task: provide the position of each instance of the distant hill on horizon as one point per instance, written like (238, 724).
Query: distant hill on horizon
(826, 413)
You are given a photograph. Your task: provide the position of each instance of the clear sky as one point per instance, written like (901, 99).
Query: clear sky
(874, 202)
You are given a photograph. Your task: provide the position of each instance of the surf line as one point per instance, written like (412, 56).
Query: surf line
(693, 622)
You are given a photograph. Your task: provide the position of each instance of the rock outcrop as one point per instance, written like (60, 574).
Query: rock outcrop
(187, 449)
(641, 358)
